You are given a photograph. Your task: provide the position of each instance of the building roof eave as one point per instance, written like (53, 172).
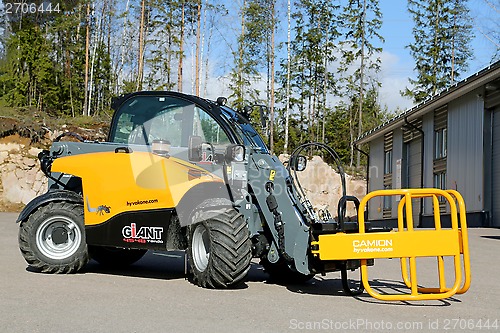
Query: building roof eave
(461, 88)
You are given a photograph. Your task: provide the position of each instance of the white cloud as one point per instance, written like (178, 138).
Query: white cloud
(394, 78)
(389, 93)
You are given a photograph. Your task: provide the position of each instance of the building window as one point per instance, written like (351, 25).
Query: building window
(388, 162)
(440, 143)
(440, 183)
(440, 180)
(387, 200)
(440, 152)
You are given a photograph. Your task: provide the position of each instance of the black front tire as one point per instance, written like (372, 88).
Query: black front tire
(219, 251)
(115, 257)
(52, 238)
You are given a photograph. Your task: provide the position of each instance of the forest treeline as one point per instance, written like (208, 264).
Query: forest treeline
(313, 63)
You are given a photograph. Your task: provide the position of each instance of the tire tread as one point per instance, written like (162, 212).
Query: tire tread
(27, 243)
(230, 255)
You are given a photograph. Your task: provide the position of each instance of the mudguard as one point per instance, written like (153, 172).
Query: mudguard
(50, 196)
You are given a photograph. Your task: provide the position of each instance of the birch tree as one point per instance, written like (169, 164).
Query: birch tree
(361, 49)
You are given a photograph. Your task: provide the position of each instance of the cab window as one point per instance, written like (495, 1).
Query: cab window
(143, 119)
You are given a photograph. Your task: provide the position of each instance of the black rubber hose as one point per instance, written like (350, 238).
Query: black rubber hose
(331, 151)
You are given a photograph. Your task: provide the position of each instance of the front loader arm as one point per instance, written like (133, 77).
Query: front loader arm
(295, 236)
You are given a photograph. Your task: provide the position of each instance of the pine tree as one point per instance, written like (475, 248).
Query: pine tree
(312, 48)
(198, 48)
(271, 60)
(45, 65)
(142, 45)
(87, 48)
(248, 56)
(69, 45)
(489, 27)
(166, 39)
(287, 82)
(338, 127)
(36, 67)
(362, 20)
(442, 33)
(181, 45)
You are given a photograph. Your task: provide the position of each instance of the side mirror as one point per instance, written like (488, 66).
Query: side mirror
(247, 111)
(298, 163)
(235, 153)
(194, 148)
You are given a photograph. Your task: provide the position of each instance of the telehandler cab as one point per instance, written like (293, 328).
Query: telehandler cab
(183, 173)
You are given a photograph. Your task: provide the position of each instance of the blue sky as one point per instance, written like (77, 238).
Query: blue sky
(398, 24)
(396, 29)
(397, 63)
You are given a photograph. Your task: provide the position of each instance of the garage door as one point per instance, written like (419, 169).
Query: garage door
(413, 160)
(495, 164)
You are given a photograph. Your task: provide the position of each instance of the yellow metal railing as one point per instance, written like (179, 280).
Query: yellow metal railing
(463, 239)
(407, 244)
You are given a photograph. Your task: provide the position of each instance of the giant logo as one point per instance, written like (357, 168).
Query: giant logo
(143, 235)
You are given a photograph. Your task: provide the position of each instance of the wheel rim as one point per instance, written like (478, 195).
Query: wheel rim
(58, 237)
(201, 247)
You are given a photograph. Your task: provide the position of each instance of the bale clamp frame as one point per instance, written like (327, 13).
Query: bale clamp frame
(408, 244)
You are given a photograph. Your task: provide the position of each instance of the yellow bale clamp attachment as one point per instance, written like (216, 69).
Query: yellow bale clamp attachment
(407, 244)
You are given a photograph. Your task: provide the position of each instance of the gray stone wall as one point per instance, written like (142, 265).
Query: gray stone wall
(21, 179)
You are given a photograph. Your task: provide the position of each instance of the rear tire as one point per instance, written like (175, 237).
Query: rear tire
(115, 257)
(219, 250)
(280, 273)
(52, 239)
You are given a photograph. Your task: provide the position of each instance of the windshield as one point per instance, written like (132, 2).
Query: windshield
(244, 130)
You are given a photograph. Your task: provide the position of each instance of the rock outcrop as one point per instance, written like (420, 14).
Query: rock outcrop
(20, 176)
(322, 186)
